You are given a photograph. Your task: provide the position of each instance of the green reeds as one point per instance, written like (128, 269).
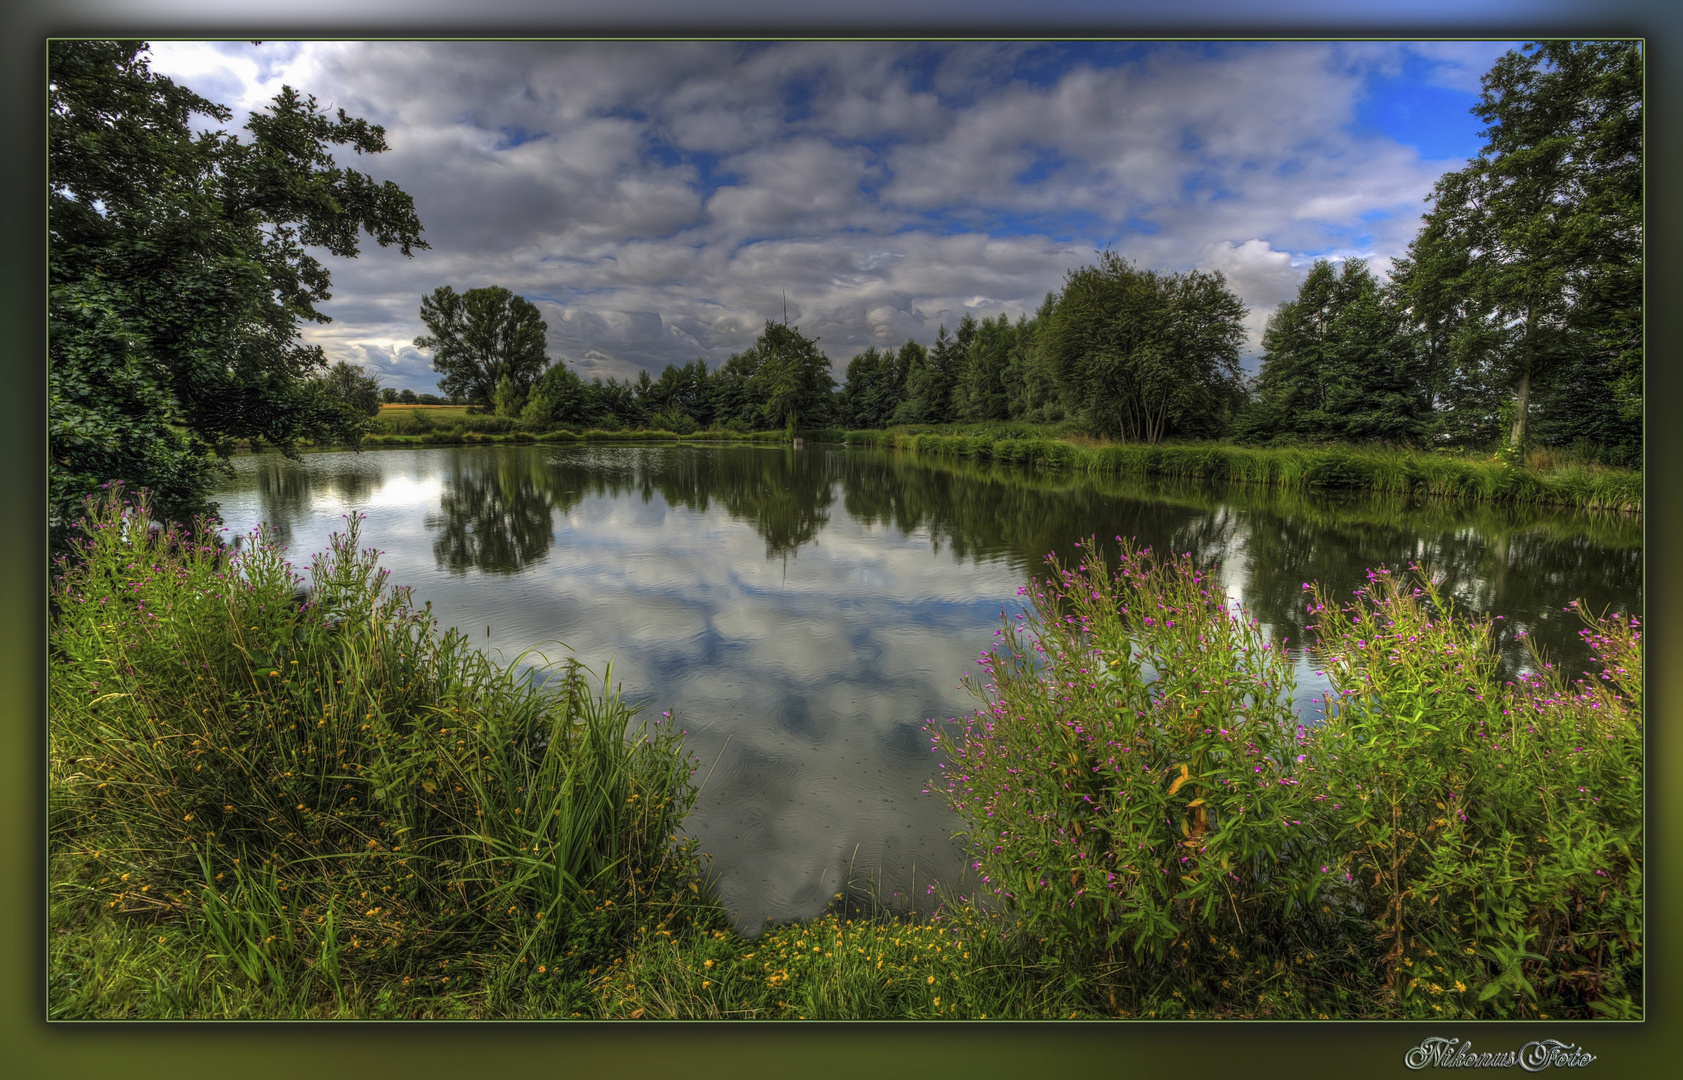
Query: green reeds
(338, 780)
(1389, 471)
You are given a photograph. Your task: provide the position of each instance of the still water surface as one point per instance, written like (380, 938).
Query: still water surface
(803, 612)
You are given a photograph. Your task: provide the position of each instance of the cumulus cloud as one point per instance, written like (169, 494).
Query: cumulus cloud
(660, 200)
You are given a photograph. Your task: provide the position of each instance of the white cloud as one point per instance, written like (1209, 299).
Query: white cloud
(659, 200)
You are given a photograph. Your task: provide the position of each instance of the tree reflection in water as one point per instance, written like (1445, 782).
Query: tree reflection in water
(805, 692)
(494, 513)
(1523, 563)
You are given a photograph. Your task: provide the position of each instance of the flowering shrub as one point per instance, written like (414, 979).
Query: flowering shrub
(1136, 774)
(1137, 788)
(1491, 833)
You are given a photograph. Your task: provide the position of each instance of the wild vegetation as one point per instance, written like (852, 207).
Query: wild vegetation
(267, 806)
(267, 802)
(329, 793)
(178, 276)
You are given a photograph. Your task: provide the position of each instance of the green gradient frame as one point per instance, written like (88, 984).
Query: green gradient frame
(30, 1047)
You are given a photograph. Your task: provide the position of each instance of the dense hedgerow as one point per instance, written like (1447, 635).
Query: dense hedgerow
(1441, 844)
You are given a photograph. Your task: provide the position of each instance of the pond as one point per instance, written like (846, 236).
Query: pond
(802, 612)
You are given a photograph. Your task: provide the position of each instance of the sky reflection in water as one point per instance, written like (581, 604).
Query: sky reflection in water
(804, 611)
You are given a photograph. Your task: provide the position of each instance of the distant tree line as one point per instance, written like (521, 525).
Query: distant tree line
(391, 395)
(1514, 320)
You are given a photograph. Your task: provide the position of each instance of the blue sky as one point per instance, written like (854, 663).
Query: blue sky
(658, 200)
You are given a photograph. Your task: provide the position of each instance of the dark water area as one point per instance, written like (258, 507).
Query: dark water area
(803, 612)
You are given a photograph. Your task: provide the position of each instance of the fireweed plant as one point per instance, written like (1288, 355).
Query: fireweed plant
(1139, 792)
(1489, 832)
(333, 791)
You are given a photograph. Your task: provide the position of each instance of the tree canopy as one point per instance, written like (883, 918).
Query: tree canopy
(1144, 354)
(480, 338)
(352, 390)
(178, 275)
(795, 380)
(1529, 262)
(1334, 366)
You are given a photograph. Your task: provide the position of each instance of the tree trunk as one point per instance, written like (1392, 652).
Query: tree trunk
(1522, 402)
(1522, 395)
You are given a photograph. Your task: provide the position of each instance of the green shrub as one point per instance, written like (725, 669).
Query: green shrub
(1125, 784)
(1490, 833)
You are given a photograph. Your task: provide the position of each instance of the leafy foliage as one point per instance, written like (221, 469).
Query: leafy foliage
(1530, 259)
(335, 780)
(178, 275)
(1137, 791)
(793, 376)
(1334, 367)
(1133, 776)
(1145, 355)
(353, 391)
(481, 337)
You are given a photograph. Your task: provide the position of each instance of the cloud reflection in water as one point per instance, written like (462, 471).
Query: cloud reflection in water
(804, 612)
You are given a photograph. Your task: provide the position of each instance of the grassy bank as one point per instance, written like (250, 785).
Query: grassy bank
(455, 424)
(262, 809)
(1397, 472)
(306, 805)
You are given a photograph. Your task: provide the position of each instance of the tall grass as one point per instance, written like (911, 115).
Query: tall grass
(1443, 845)
(1391, 471)
(335, 787)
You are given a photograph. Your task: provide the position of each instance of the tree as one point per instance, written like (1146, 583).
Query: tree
(1143, 355)
(480, 337)
(561, 397)
(685, 392)
(982, 394)
(614, 404)
(1336, 366)
(794, 376)
(178, 275)
(933, 378)
(353, 391)
(1531, 255)
(737, 392)
(1031, 387)
(507, 399)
